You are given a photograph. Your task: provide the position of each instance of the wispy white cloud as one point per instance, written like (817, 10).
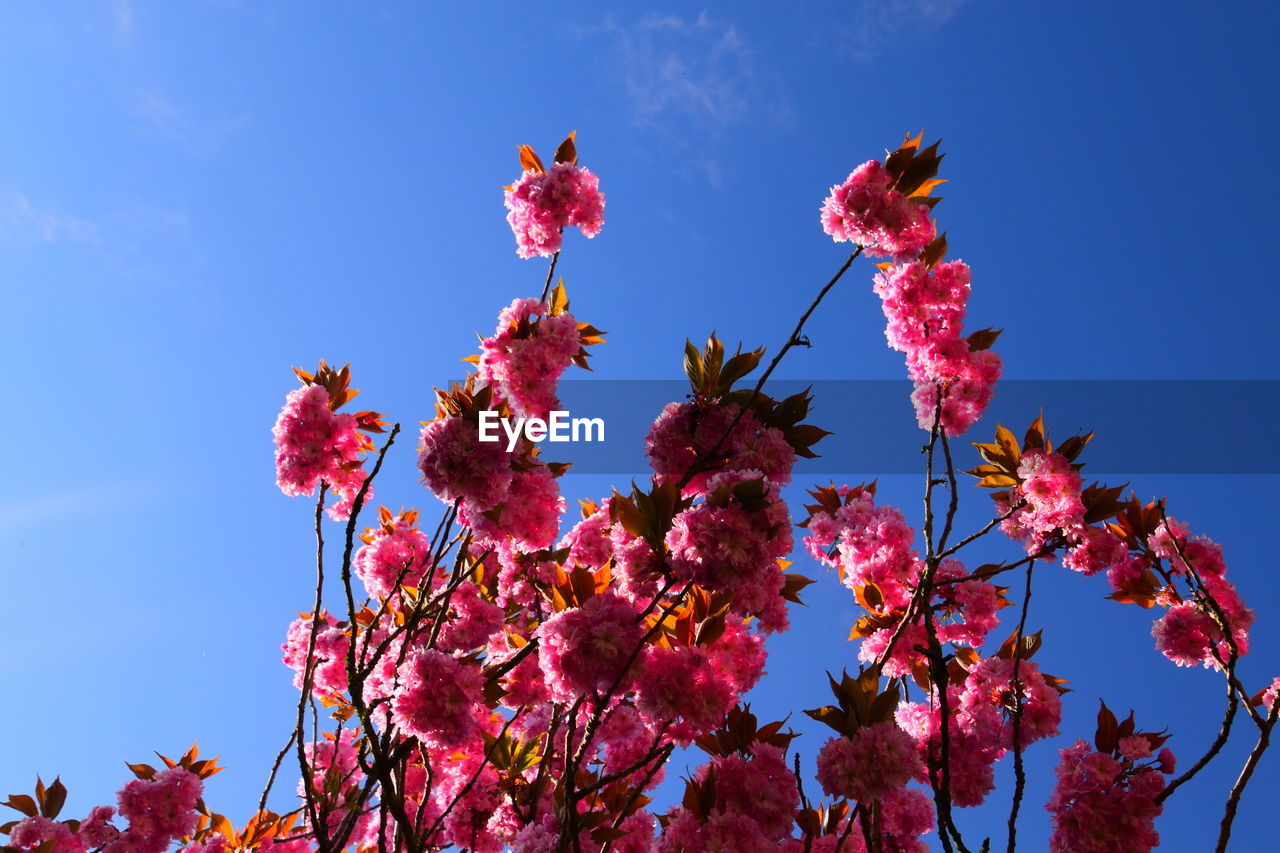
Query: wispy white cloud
(22, 221)
(878, 25)
(58, 507)
(122, 16)
(134, 241)
(676, 68)
(198, 134)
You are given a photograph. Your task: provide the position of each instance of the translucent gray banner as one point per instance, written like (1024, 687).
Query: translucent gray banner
(1142, 426)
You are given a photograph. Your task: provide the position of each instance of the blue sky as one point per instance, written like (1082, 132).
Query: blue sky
(194, 197)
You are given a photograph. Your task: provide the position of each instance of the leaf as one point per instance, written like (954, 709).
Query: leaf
(567, 152)
(22, 803)
(1035, 437)
(935, 251)
(559, 299)
(1106, 739)
(54, 799)
(983, 339)
(529, 160)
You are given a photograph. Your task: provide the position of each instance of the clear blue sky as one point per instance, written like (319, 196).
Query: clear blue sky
(196, 196)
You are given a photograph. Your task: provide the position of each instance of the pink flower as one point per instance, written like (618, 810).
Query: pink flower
(472, 621)
(457, 465)
(160, 811)
(529, 516)
(315, 444)
(864, 210)
(588, 541)
(395, 554)
(684, 432)
(438, 698)
(925, 309)
(870, 763)
(1102, 805)
(525, 356)
(733, 543)
(32, 832)
(585, 649)
(329, 674)
(1187, 635)
(680, 685)
(541, 205)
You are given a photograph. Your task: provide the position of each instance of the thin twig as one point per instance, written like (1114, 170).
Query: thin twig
(1237, 790)
(551, 271)
(1019, 772)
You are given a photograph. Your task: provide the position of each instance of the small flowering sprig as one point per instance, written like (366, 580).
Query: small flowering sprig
(1107, 798)
(543, 202)
(886, 207)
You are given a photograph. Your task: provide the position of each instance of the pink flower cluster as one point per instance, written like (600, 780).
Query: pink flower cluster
(315, 444)
(980, 725)
(724, 543)
(925, 309)
(868, 765)
(438, 698)
(685, 431)
(529, 517)
(457, 465)
(329, 659)
(754, 806)
(584, 650)
(865, 210)
(1048, 504)
(524, 358)
(1189, 632)
(540, 205)
(1106, 804)
(871, 545)
(395, 554)
(160, 810)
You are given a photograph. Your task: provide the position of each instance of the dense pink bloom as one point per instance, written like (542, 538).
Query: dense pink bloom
(529, 517)
(725, 543)
(1105, 805)
(584, 649)
(976, 743)
(989, 689)
(96, 829)
(867, 544)
(396, 553)
(870, 763)
(921, 303)
(1187, 635)
(30, 833)
(315, 445)
(329, 673)
(1096, 549)
(1189, 632)
(925, 309)
(472, 621)
(681, 685)
(525, 356)
(457, 465)
(589, 540)
(160, 811)
(541, 205)
(438, 698)
(864, 210)
(754, 807)
(685, 431)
